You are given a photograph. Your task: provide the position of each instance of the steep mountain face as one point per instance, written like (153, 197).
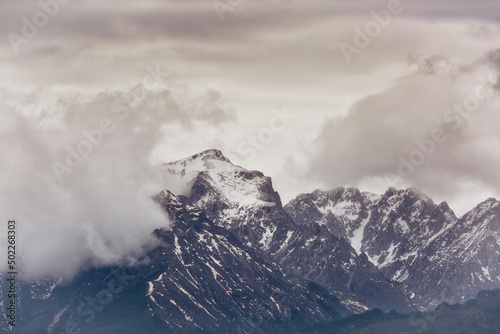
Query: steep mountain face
(200, 280)
(344, 211)
(460, 261)
(375, 224)
(245, 203)
(315, 254)
(220, 278)
(236, 261)
(402, 222)
(435, 256)
(235, 198)
(30, 295)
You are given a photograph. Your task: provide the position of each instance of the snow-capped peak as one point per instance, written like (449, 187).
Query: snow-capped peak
(481, 209)
(206, 160)
(228, 182)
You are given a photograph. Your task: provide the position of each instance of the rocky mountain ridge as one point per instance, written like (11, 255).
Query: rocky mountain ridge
(236, 260)
(436, 256)
(245, 203)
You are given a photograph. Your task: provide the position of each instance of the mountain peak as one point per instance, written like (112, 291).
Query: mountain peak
(486, 205)
(204, 161)
(484, 208)
(210, 154)
(411, 192)
(213, 178)
(490, 202)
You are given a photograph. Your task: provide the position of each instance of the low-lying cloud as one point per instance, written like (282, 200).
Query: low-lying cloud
(76, 171)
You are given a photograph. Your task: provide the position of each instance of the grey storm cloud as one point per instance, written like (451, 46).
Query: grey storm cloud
(77, 175)
(493, 58)
(436, 65)
(83, 70)
(426, 129)
(257, 42)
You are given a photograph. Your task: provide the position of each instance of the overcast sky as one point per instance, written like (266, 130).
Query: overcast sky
(316, 94)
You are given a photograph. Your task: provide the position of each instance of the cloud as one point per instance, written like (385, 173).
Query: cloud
(436, 65)
(265, 55)
(77, 173)
(429, 129)
(493, 58)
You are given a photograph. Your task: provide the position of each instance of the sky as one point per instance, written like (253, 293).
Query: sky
(316, 94)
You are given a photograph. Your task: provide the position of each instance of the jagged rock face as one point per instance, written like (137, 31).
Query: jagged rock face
(201, 279)
(435, 256)
(245, 203)
(240, 200)
(402, 222)
(463, 259)
(225, 279)
(313, 253)
(235, 260)
(344, 211)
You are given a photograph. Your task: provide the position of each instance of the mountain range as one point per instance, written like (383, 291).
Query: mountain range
(236, 260)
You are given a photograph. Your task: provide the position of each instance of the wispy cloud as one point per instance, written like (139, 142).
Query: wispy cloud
(353, 120)
(80, 190)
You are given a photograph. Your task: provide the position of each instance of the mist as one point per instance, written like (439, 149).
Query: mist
(83, 138)
(433, 129)
(78, 177)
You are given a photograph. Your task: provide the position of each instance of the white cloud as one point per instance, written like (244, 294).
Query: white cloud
(432, 129)
(80, 190)
(229, 76)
